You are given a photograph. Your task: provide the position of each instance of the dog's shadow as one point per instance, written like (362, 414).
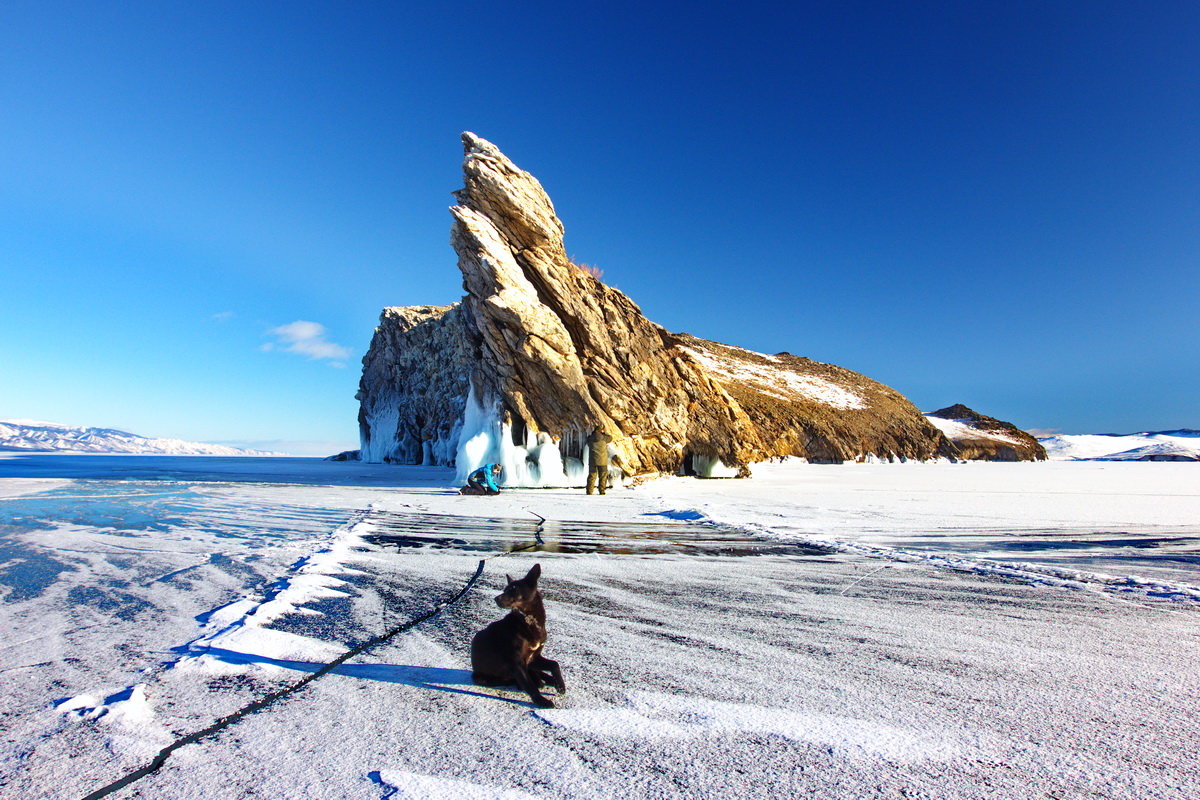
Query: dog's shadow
(437, 678)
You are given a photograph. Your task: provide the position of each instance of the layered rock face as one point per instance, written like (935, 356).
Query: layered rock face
(974, 436)
(539, 353)
(415, 385)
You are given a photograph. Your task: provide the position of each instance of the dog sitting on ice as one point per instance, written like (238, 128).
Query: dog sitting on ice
(509, 651)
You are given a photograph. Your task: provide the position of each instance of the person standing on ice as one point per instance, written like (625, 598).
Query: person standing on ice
(599, 456)
(483, 480)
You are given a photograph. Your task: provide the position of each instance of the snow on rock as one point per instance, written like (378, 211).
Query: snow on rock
(957, 430)
(778, 382)
(975, 436)
(35, 436)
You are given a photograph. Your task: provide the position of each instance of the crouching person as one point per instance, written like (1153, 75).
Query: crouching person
(483, 480)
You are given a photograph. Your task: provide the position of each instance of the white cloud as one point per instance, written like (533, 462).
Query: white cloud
(221, 316)
(306, 339)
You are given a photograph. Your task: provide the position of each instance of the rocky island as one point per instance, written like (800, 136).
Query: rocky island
(540, 352)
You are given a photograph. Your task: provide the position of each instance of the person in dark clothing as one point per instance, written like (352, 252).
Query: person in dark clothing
(483, 480)
(599, 459)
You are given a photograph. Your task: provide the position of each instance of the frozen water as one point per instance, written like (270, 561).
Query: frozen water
(839, 631)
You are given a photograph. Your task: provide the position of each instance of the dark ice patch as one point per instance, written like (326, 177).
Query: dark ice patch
(121, 605)
(27, 572)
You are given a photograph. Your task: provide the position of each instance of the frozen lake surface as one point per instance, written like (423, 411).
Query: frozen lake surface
(922, 630)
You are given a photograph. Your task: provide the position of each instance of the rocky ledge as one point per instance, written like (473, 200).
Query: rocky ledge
(540, 352)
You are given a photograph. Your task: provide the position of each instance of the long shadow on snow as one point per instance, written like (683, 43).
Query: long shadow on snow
(437, 678)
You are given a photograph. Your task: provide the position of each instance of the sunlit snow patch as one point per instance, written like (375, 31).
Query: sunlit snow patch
(240, 626)
(655, 715)
(399, 785)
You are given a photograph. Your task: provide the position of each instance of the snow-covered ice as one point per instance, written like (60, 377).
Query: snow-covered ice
(861, 630)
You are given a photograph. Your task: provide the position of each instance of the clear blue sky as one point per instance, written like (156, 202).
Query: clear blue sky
(994, 203)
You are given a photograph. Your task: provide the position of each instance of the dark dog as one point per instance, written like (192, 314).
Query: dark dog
(509, 651)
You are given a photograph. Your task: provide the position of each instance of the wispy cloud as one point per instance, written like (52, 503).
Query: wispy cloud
(221, 316)
(307, 339)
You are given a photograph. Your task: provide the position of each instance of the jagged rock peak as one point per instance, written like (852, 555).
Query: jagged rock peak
(512, 199)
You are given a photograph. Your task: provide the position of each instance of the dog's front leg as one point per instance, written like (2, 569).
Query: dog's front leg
(551, 667)
(529, 686)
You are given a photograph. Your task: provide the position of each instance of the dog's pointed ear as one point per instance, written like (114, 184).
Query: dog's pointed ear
(534, 573)
(508, 577)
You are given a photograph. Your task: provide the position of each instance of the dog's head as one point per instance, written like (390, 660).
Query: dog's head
(520, 592)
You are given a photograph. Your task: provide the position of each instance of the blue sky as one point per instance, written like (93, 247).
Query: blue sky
(988, 203)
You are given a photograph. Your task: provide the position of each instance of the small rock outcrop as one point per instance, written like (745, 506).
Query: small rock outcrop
(974, 436)
(540, 352)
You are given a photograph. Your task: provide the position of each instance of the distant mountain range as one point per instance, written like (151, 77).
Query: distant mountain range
(1177, 445)
(27, 436)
